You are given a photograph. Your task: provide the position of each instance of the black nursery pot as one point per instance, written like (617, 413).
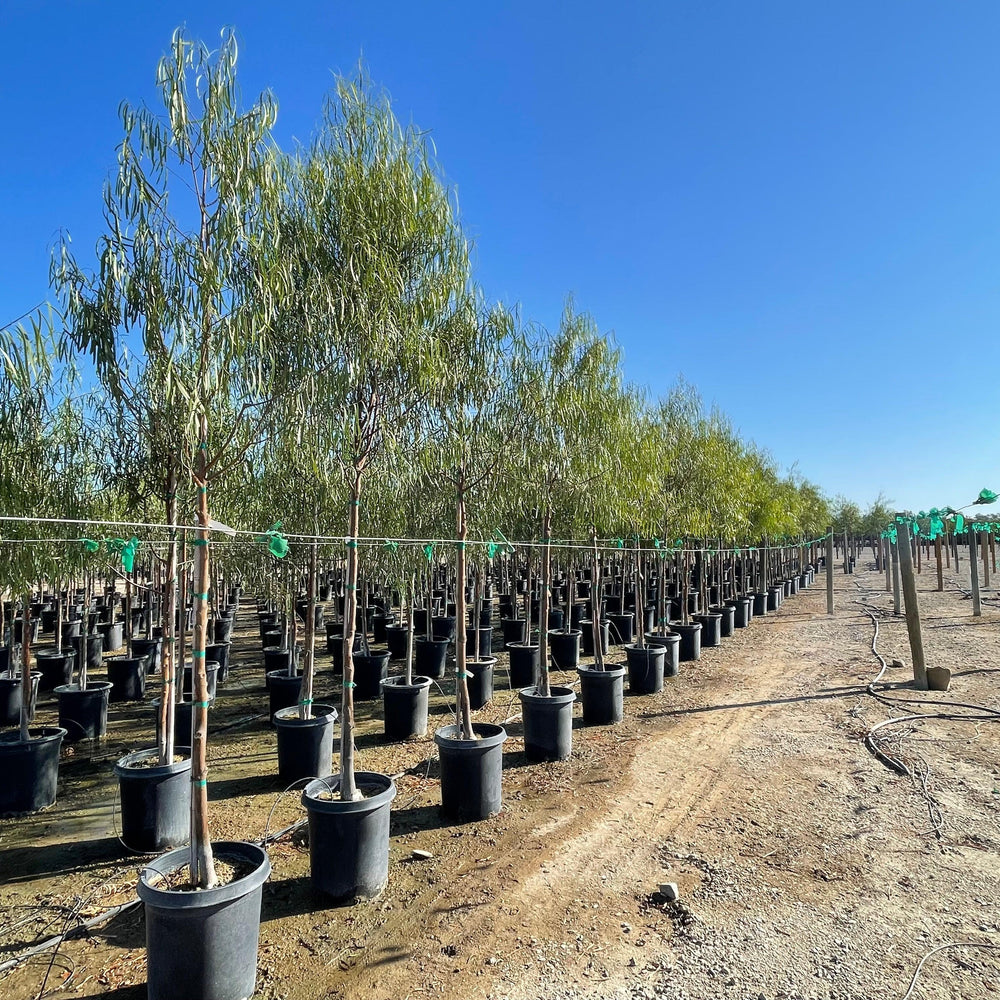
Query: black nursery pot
(485, 641)
(30, 770)
(602, 693)
(471, 772)
(430, 657)
(183, 712)
(548, 723)
(513, 630)
(276, 659)
(760, 604)
(524, 663)
(404, 707)
(218, 652)
(379, 624)
(95, 651)
(690, 648)
(152, 649)
(565, 649)
(671, 643)
(742, 609)
(621, 628)
(728, 619)
(128, 678)
(369, 672)
(587, 636)
(223, 629)
(396, 637)
(11, 696)
(711, 629)
(305, 746)
(83, 714)
(775, 596)
(155, 800)
(349, 841)
(443, 628)
(645, 668)
(204, 944)
(283, 691)
(480, 681)
(211, 675)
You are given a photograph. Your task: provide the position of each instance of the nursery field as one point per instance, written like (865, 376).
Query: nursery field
(805, 867)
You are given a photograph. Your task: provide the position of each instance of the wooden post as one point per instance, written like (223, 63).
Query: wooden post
(886, 563)
(940, 568)
(847, 554)
(905, 563)
(993, 551)
(947, 549)
(894, 547)
(986, 560)
(916, 545)
(977, 603)
(829, 571)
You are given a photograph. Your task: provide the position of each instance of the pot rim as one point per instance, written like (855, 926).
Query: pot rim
(487, 735)
(169, 899)
(124, 769)
(335, 805)
(11, 740)
(559, 696)
(95, 686)
(289, 717)
(395, 681)
(607, 672)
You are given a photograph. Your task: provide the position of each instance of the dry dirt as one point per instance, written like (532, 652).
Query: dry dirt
(805, 867)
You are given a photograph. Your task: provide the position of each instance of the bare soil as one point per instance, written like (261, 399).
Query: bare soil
(806, 869)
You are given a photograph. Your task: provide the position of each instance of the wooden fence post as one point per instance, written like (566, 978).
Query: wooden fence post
(905, 562)
(886, 563)
(940, 568)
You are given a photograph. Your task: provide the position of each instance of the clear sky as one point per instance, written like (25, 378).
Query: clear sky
(793, 204)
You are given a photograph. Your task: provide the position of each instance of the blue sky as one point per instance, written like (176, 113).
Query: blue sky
(794, 205)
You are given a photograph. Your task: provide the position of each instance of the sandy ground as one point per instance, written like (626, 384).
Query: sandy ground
(806, 868)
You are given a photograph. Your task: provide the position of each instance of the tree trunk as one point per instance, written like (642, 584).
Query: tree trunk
(168, 687)
(202, 862)
(595, 602)
(25, 667)
(306, 697)
(463, 707)
(542, 683)
(348, 789)
(409, 629)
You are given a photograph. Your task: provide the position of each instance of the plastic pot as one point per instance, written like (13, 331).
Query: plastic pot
(690, 645)
(774, 598)
(128, 678)
(404, 707)
(471, 771)
(183, 712)
(742, 609)
(83, 714)
(203, 944)
(95, 651)
(152, 649)
(211, 675)
(587, 636)
(485, 641)
(223, 630)
(11, 696)
(513, 630)
(379, 624)
(369, 672)
(430, 657)
(335, 647)
(556, 618)
(30, 770)
(548, 723)
(480, 683)
(155, 800)
(645, 668)
(70, 631)
(760, 604)
(443, 628)
(276, 660)
(349, 841)
(396, 638)
(524, 663)
(728, 619)
(711, 629)
(218, 652)
(564, 647)
(113, 634)
(602, 693)
(671, 643)
(621, 628)
(283, 691)
(305, 746)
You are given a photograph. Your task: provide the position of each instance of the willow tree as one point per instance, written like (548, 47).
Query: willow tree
(568, 395)
(380, 260)
(471, 435)
(185, 298)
